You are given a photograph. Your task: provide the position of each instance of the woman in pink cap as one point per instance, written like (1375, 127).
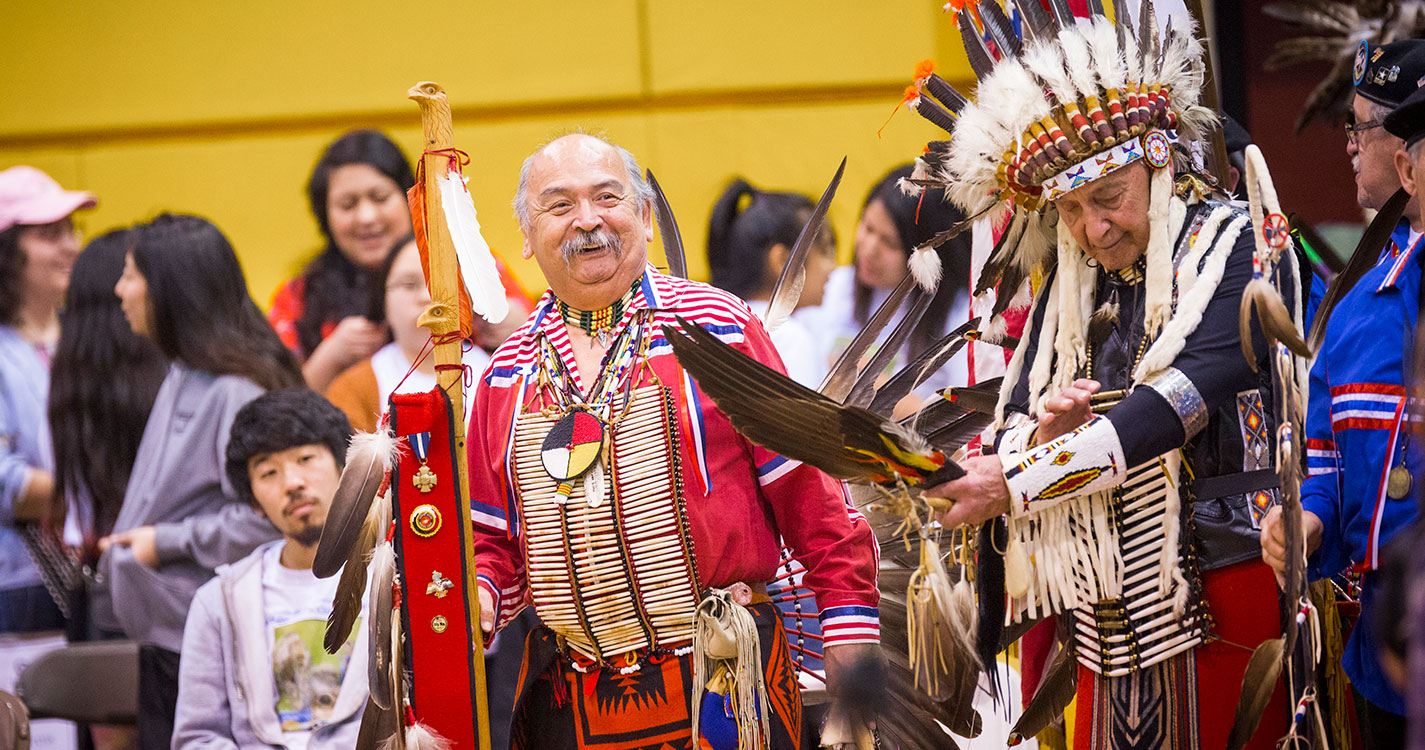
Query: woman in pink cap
(38, 245)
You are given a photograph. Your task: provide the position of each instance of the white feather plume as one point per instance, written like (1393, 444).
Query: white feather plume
(1009, 99)
(477, 263)
(924, 265)
(1077, 60)
(381, 445)
(1046, 60)
(1134, 73)
(421, 737)
(1103, 43)
(920, 172)
(980, 140)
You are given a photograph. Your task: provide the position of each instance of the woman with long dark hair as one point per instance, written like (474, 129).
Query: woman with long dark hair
(892, 225)
(357, 193)
(183, 288)
(91, 474)
(38, 245)
(750, 236)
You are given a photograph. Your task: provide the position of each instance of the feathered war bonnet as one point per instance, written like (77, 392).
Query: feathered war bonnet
(1070, 101)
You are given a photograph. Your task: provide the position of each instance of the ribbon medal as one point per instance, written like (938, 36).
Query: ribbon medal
(424, 478)
(571, 448)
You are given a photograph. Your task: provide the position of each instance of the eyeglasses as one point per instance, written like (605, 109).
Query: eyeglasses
(1354, 129)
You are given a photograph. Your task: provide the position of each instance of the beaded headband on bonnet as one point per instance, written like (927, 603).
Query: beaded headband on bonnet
(1073, 100)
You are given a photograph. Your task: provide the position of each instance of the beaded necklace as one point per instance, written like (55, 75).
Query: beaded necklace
(612, 380)
(1133, 274)
(599, 323)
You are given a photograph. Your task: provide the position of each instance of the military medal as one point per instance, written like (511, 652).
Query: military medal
(424, 479)
(425, 520)
(1398, 483)
(571, 448)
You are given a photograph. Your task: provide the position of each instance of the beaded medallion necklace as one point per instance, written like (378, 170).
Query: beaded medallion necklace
(577, 445)
(599, 323)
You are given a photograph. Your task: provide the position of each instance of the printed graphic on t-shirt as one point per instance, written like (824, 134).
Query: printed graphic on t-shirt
(308, 678)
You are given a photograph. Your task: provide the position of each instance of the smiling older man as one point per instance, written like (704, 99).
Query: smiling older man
(612, 495)
(1359, 453)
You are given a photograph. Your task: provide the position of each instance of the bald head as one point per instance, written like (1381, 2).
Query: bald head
(570, 145)
(584, 213)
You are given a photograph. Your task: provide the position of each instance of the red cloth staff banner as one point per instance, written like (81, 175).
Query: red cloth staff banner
(431, 509)
(430, 539)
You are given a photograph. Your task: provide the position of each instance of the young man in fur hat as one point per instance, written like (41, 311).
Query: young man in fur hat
(1132, 459)
(254, 673)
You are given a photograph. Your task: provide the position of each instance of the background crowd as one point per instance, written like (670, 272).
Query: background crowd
(127, 353)
(145, 344)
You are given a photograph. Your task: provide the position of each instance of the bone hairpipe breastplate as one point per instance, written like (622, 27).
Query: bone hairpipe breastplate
(611, 576)
(1112, 559)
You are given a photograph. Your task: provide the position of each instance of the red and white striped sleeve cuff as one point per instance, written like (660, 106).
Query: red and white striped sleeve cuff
(507, 602)
(850, 623)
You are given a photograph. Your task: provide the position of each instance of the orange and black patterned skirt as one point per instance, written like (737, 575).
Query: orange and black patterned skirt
(649, 709)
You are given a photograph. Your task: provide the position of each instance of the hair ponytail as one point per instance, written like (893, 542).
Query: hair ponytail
(740, 236)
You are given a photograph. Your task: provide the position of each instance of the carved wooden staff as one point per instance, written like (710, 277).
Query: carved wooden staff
(444, 319)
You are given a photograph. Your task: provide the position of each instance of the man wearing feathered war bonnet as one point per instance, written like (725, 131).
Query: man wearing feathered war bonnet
(612, 494)
(1131, 461)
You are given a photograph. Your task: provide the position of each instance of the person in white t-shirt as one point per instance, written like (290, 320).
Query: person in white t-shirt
(254, 673)
(750, 235)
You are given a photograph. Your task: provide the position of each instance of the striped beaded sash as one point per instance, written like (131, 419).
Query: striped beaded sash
(613, 577)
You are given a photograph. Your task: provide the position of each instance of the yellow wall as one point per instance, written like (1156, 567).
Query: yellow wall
(222, 108)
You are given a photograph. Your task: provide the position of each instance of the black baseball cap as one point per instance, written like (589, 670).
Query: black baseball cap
(1386, 74)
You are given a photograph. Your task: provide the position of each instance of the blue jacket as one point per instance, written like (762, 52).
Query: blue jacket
(1354, 435)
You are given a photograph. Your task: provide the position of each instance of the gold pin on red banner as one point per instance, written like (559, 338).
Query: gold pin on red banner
(425, 520)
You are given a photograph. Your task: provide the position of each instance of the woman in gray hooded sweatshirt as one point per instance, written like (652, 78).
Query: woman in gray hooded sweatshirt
(182, 286)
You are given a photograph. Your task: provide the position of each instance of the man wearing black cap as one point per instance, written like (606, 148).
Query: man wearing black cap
(1360, 459)
(1407, 123)
(1385, 76)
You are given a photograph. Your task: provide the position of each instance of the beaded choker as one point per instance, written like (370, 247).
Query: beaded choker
(1134, 273)
(599, 323)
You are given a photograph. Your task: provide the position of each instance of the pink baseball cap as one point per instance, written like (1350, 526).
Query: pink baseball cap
(29, 196)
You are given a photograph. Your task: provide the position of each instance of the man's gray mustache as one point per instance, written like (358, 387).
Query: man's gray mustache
(602, 237)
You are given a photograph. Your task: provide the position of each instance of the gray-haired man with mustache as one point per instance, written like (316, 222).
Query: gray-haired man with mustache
(585, 415)
(1359, 455)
